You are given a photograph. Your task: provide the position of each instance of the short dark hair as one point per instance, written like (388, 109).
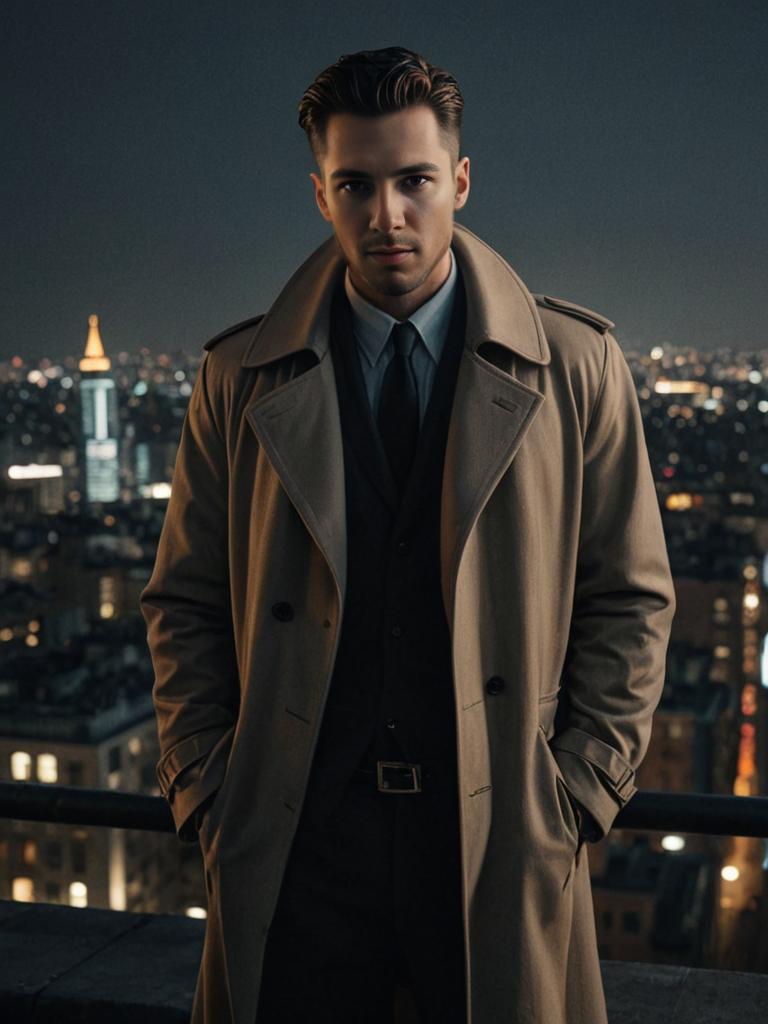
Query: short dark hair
(373, 82)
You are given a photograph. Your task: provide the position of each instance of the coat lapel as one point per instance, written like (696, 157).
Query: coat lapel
(489, 419)
(299, 426)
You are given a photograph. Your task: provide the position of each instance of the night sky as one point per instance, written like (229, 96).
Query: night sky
(154, 171)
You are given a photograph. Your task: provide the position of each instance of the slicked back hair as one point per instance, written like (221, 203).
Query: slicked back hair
(374, 82)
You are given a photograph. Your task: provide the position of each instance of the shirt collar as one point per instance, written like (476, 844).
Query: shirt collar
(372, 325)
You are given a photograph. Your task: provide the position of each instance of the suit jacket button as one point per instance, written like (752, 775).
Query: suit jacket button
(495, 684)
(283, 611)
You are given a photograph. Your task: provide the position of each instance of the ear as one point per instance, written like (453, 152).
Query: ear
(462, 183)
(322, 205)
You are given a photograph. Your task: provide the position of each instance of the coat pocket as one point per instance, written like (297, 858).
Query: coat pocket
(568, 820)
(548, 705)
(204, 818)
(569, 814)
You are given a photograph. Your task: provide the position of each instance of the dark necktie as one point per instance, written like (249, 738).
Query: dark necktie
(398, 418)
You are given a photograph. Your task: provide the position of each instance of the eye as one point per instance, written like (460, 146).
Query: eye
(356, 181)
(344, 184)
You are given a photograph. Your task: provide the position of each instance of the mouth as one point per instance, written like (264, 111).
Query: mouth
(390, 255)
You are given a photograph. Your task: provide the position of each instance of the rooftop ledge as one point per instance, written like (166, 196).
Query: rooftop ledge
(65, 964)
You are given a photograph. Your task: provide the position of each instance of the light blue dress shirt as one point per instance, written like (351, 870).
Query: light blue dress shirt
(372, 327)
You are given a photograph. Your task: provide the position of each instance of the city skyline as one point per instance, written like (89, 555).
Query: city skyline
(77, 677)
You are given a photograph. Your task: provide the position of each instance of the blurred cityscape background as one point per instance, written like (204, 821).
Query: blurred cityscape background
(87, 449)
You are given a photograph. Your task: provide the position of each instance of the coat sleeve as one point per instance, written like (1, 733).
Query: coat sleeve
(624, 603)
(186, 607)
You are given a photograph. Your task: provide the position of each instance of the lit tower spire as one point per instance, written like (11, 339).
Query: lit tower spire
(94, 358)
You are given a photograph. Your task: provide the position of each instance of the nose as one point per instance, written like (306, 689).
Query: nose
(387, 212)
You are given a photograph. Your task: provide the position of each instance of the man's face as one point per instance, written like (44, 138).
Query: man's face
(380, 206)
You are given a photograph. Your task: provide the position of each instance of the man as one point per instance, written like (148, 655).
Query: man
(411, 604)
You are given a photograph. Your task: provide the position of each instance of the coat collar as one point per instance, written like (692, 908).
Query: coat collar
(499, 306)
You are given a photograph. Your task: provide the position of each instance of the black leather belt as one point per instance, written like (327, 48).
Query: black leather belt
(394, 776)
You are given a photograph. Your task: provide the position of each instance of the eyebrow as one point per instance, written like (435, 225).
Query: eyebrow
(345, 172)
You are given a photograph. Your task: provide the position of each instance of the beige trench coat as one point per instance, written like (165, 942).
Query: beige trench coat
(555, 577)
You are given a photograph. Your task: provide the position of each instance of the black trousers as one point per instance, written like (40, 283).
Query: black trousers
(370, 901)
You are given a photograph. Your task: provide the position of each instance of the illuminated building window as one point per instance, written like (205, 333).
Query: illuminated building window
(29, 852)
(21, 766)
(78, 894)
(47, 768)
(114, 764)
(106, 597)
(23, 890)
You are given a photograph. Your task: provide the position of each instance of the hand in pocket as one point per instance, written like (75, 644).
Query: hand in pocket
(202, 808)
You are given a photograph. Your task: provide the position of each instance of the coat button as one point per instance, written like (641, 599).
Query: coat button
(495, 684)
(283, 611)
(397, 631)
(403, 547)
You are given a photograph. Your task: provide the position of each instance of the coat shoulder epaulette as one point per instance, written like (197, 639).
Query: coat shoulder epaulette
(589, 316)
(252, 321)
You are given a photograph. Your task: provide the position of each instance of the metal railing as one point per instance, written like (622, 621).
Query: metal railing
(648, 810)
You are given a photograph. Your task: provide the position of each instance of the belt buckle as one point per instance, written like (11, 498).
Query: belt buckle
(390, 773)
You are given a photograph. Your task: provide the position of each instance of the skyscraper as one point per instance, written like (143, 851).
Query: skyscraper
(99, 421)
